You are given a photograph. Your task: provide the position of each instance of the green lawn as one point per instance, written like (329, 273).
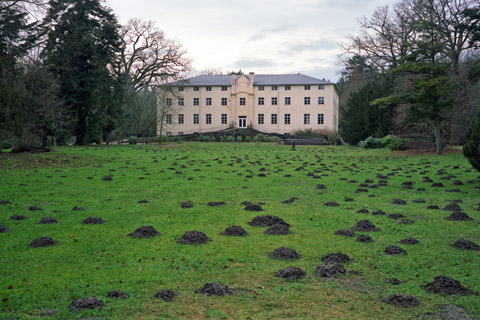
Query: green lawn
(90, 260)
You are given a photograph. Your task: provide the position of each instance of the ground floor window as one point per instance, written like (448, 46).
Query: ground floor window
(168, 133)
(168, 119)
(287, 118)
(306, 118)
(321, 118)
(195, 118)
(260, 118)
(208, 118)
(224, 118)
(274, 118)
(180, 118)
(180, 133)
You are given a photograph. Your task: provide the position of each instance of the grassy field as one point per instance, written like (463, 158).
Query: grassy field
(90, 260)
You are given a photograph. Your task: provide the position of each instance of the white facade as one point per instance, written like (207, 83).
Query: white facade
(268, 103)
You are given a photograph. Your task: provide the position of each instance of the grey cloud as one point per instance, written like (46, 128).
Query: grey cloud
(254, 63)
(263, 33)
(325, 44)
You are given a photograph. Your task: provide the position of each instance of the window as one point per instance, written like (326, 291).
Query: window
(287, 101)
(208, 118)
(224, 118)
(242, 101)
(321, 118)
(261, 101)
(196, 101)
(306, 118)
(307, 87)
(224, 101)
(321, 100)
(274, 101)
(180, 101)
(321, 87)
(260, 118)
(180, 88)
(195, 118)
(274, 88)
(261, 88)
(196, 88)
(169, 134)
(180, 118)
(169, 101)
(306, 100)
(224, 88)
(288, 88)
(274, 118)
(209, 88)
(287, 118)
(168, 119)
(208, 101)
(180, 133)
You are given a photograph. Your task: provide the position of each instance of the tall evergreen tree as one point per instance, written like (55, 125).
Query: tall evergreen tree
(81, 43)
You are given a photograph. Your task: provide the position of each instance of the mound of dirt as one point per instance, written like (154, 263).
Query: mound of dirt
(338, 257)
(107, 178)
(291, 273)
(86, 303)
(215, 204)
(35, 208)
(48, 220)
(43, 242)
(398, 201)
(405, 221)
(409, 241)
(321, 187)
(291, 200)
(215, 289)
(464, 244)
(379, 213)
(364, 238)
(345, 233)
(5, 202)
(143, 201)
(144, 232)
(393, 281)
(193, 237)
(437, 185)
(328, 270)
(278, 229)
(284, 253)
(446, 285)
(117, 294)
(331, 204)
(253, 207)
(433, 207)
(419, 201)
(365, 211)
(165, 294)
(18, 217)
(452, 207)
(234, 231)
(459, 216)
(93, 220)
(78, 208)
(267, 221)
(348, 199)
(3, 229)
(365, 226)
(401, 300)
(394, 250)
(395, 216)
(186, 205)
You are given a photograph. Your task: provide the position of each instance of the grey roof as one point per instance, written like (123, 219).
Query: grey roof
(259, 80)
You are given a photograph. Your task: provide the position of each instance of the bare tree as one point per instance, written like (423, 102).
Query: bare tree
(148, 57)
(35, 8)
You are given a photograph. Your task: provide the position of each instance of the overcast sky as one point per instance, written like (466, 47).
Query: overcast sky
(261, 36)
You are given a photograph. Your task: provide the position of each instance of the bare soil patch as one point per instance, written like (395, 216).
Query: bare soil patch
(86, 303)
(193, 237)
(144, 232)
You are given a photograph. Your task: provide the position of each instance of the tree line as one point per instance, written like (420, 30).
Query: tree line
(69, 69)
(413, 70)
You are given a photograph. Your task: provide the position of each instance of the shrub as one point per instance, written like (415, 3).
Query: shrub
(371, 143)
(388, 139)
(213, 139)
(6, 144)
(248, 139)
(471, 150)
(133, 139)
(222, 139)
(259, 138)
(398, 144)
(239, 139)
(205, 138)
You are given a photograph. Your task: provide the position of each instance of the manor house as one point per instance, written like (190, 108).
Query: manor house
(270, 103)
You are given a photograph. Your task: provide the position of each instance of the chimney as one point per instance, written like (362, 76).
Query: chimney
(233, 76)
(252, 77)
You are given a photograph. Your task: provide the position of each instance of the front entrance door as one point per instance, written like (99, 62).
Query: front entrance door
(242, 121)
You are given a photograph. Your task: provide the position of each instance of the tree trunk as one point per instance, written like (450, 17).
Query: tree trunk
(438, 139)
(160, 133)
